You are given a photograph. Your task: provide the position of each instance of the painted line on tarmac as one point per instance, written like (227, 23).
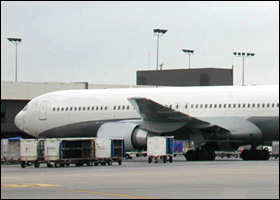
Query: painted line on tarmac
(53, 187)
(103, 193)
(27, 186)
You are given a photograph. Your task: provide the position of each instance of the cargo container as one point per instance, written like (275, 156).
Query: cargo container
(78, 151)
(13, 150)
(31, 152)
(4, 150)
(52, 152)
(108, 151)
(160, 148)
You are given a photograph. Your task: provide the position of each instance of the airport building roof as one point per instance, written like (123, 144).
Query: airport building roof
(29, 90)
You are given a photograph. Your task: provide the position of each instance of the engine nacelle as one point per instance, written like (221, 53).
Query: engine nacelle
(135, 138)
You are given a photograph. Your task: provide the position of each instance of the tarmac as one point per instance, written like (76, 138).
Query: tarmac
(136, 179)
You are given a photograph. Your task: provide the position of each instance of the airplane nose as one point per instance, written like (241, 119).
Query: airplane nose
(19, 121)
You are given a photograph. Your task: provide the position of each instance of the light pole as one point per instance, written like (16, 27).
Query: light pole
(243, 55)
(189, 52)
(158, 32)
(15, 41)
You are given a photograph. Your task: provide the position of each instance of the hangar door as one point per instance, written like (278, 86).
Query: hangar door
(43, 110)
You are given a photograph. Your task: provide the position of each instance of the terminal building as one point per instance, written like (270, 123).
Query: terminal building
(186, 77)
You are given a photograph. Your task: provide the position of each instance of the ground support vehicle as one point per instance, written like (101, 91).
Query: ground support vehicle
(160, 148)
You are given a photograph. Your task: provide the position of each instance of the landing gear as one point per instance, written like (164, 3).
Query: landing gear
(254, 154)
(203, 154)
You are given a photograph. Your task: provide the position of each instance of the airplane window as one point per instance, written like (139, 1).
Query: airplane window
(119, 108)
(186, 106)
(234, 105)
(210, 105)
(123, 107)
(80, 108)
(66, 109)
(273, 105)
(206, 105)
(62, 109)
(97, 108)
(57, 109)
(225, 105)
(201, 106)
(71, 108)
(192, 106)
(75, 108)
(220, 105)
(84, 108)
(239, 105)
(115, 107)
(268, 105)
(229, 105)
(101, 108)
(127, 107)
(263, 105)
(249, 105)
(215, 106)
(244, 105)
(88, 108)
(53, 109)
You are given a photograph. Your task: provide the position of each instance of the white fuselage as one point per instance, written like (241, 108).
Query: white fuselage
(58, 109)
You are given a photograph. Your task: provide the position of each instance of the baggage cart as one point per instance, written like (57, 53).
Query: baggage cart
(78, 151)
(31, 152)
(160, 148)
(108, 151)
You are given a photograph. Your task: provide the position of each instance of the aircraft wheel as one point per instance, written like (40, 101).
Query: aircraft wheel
(191, 155)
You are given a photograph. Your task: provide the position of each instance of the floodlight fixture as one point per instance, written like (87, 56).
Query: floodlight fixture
(15, 41)
(158, 32)
(188, 52)
(243, 55)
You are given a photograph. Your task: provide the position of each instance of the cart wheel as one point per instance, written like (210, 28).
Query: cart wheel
(109, 162)
(90, 163)
(36, 165)
(23, 165)
(96, 164)
(49, 165)
(164, 159)
(120, 161)
(170, 159)
(57, 164)
(150, 159)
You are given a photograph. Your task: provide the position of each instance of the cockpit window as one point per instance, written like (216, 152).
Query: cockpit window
(25, 108)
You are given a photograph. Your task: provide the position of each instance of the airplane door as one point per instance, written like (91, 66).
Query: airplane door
(43, 110)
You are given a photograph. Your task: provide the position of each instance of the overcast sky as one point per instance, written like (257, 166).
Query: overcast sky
(107, 42)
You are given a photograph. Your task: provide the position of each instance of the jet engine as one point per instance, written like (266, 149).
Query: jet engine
(134, 136)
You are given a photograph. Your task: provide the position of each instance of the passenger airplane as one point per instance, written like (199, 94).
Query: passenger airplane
(214, 118)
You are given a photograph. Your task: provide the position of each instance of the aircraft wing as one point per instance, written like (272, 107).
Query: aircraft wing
(155, 116)
(154, 112)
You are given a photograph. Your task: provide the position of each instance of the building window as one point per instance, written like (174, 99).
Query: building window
(3, 112)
